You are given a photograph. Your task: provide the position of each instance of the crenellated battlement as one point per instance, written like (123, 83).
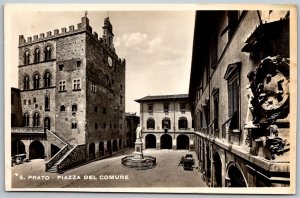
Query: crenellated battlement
(81, 27)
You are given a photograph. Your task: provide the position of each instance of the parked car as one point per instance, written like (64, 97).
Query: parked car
(188, 162)
(18, 159)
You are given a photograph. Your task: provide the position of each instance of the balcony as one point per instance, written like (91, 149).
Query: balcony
(27, 130)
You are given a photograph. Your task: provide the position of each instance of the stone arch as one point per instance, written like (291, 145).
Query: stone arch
(150, 141)
(17, 147)
(165, 141)
(36, 150)
(26, 119)
(235, 176)
(36, 119)
(48, 51)
(26, 81)
(47, 77)
(37, 54)
(217, 169)
(92, 151)
(182, 142)
(101, 149)
(26, 57)
(36, 77)
(115, 145)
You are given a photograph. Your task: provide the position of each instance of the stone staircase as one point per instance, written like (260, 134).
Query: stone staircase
(51, 165)
(67, 157)
(54, 168)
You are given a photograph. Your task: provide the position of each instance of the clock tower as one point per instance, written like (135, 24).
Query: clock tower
(107, 33)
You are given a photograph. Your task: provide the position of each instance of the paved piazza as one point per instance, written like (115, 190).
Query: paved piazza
(167, 173)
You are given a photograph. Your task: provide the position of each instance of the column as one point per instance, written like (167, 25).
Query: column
(174, 146)
(96, 149)
(105, 147)
(157, 143)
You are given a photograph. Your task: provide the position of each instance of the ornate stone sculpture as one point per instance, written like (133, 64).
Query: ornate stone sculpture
(273, 143)
(272, 80)
(268, 101)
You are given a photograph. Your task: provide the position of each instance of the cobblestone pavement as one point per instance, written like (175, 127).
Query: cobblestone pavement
(167, 173)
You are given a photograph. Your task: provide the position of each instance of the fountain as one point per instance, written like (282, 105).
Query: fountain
(138, 160)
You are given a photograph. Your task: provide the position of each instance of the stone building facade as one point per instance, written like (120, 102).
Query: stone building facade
(166, 122)
(239, 91)
(72, 90)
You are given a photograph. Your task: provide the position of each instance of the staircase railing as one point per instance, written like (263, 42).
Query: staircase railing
(58, 138)
(74, 158)
(57, 156)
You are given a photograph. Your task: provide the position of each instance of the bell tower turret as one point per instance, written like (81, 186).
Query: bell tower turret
(107, 33)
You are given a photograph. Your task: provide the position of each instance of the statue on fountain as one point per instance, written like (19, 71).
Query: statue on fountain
(138, 132)
(138, 160)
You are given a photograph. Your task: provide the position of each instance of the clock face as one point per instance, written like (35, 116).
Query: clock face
(109, 61)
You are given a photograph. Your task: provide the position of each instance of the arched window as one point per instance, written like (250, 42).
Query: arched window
(47, 103)
(74, 107)
(47, 79)
(36, 119)
(26, 119)
(182, 123)
(62, 108)
(26, 58)
(26, 82)
(47, 53)
(166, 123)
(36, 81)
(74, 125)
(47, 123)
(150, 123)
(37, 55)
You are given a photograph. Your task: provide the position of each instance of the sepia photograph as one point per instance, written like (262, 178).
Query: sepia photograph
(157, 98)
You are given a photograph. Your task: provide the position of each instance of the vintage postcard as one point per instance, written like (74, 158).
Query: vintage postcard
(150, 98)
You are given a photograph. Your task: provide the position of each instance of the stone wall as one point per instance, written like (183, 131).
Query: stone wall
(16, 108)
(33, 100)
(76, 157)
(70, 50)
(105, 111)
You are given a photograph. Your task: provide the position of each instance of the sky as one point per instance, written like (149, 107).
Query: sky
(157, 45)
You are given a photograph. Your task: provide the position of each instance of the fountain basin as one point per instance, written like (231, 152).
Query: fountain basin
(147, 162)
